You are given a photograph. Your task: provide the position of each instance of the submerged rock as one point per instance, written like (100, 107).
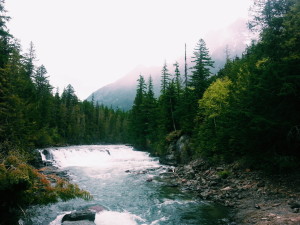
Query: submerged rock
(149, 179)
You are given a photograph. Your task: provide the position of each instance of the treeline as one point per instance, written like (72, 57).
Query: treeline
(33, 116)
(248, 111)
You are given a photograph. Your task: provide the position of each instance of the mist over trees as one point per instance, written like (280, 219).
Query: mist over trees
(248, 111)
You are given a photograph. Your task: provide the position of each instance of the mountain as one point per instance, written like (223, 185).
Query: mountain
(121, 94)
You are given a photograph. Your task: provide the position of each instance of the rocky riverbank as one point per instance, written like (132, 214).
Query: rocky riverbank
(255, 198)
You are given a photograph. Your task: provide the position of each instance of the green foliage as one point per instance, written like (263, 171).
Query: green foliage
(224, 174)
(215, 99)
(32, 116)
(249, 111)
(201, 69)
(23, 185)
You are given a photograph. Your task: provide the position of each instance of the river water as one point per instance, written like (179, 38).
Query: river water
(116, 176)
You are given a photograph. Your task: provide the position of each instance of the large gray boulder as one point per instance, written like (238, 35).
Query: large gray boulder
(81, 222)
(80, 215)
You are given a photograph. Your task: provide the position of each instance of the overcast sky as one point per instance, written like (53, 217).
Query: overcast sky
(91, 43)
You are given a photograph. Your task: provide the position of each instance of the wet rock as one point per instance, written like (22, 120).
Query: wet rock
(82, 222)
(36, 160)
(149, 180)
(127, 171)
(80, 215)
(205, 194)
(47, 154)
(294, 204)
(172, 185)
(170, 170)
(296, 210)
(169, 160)
(257, 206)
(261, 184)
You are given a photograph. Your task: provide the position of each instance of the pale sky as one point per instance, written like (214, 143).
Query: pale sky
(91, 43)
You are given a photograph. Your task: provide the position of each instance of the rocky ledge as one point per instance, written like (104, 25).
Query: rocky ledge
(255, 198)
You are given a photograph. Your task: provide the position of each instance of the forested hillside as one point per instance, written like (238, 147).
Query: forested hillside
(33, 115)
(248, 111)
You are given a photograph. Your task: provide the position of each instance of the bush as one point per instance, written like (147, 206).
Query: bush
(22, 185)
(224, 174)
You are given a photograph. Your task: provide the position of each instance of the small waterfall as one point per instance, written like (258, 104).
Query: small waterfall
(129, 184)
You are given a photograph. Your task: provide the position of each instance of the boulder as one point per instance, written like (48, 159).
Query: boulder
(81, 222)
(80, 215)
(47, 154)
(36, 160)
(294, 204)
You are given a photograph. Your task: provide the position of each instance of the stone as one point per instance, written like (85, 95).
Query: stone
(149, 180)
(261, 184)
(226, 189)
(257, 206)
(296, 210)
(294, 204)
(81, 222)
(170, 170)
(276, 204)
(80, 215)
(220, 168)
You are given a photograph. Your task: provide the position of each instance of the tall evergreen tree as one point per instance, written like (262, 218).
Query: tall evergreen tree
(201, 69)
(178, 81)
(138, 118)
(165, 78)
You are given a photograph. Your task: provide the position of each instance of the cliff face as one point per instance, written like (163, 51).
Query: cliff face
(178, 151)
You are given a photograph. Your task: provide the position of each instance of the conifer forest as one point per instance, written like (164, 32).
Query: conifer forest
(249, 111)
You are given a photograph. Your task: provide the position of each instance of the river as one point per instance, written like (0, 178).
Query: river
(116, 176)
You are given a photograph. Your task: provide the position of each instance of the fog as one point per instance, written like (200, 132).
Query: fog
(93, 43)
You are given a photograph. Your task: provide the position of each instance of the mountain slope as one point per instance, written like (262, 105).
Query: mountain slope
(121, 93)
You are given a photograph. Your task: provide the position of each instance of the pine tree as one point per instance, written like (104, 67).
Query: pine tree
(177, 81)
(165, 78)
(201, 69)
(138, 117)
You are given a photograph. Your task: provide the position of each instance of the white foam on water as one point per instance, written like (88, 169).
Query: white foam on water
(103, 157)
(58, 219)
(159, 220)
(181, 202)
(116, 218)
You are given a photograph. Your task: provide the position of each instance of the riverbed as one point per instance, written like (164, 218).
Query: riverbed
(130, 184)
